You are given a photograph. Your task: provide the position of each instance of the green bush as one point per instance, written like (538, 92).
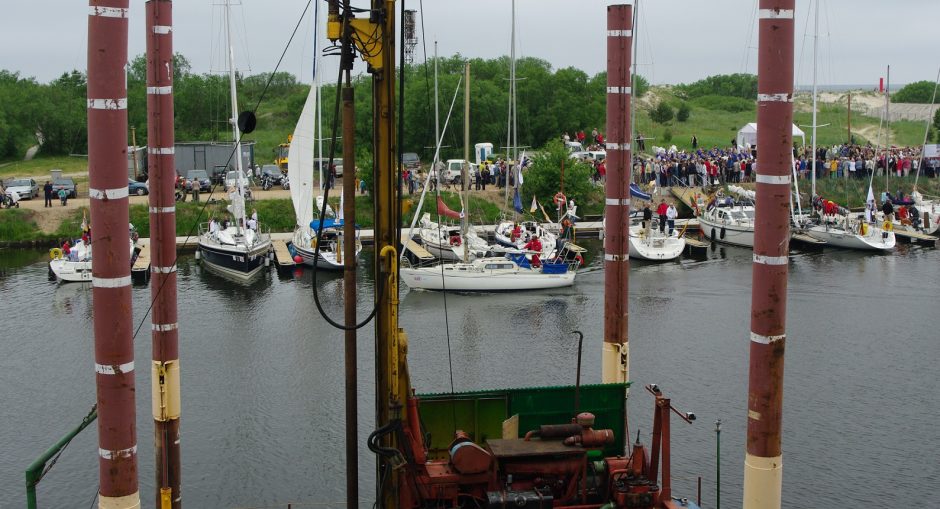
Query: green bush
(724, 103)
(662, 113)
(543, 178)
(682, 114)
(667, 135)
(917, 92)
(729, 85)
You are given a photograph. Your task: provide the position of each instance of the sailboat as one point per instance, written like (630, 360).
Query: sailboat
(300, 174)
(929, 209)
(650, 243)
(836, 226)
(512, 273)
(233, 248)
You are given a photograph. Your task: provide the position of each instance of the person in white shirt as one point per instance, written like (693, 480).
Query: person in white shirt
(253, 223)
(213, 226)
(671, 215)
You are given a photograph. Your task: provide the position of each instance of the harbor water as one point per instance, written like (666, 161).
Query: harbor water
(262, 374)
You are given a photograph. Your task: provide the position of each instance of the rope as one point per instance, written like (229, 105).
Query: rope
(55, 458)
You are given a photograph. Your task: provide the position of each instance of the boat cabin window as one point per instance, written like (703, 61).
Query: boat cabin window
(498, 266)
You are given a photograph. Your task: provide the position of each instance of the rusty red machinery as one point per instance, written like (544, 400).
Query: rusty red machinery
(763, 468)
(165, 369)
(616, 358)
(111, 264)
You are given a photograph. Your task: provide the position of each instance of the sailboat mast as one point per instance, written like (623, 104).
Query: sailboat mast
(615, 358)
(437, 112)
(763, 467)
(887, 121)
(111, 266)
(236, 135)
(317, 82)
(512, 88)
(466, 166)
(512, 58)
(815, 109)
(165, 369)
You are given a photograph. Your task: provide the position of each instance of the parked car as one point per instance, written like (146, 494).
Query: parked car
(138, 188)
(232, 178)
(411, 160)
(205, 185)
(27, 189)
(67, 184)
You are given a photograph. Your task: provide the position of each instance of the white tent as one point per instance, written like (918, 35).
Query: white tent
(748, 134)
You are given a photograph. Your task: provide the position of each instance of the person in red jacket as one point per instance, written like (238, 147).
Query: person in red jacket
(534, 245)
(661, 211)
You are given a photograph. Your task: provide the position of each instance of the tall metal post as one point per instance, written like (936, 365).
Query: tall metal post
(615, 357)
(389, 404)
(763, 467)
(111, 266)
(465, 220)
(815, 108)
(165, 368)
(349, 299)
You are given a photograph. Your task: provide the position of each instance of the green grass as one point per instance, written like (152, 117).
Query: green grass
(40, 166)
(853, 193)
(19, 225)
(714, 126)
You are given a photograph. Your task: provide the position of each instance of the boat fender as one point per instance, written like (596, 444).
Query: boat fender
(55, 253)
(713, 235)
(863, 229)
(580, 259)
(887, 226)
(198, 255)
(722, 233)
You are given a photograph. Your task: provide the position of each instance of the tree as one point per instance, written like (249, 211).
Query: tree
(734, 85)
(917, 92)
(662, 113)
(543, 178)
(936, 119)
(682, 114)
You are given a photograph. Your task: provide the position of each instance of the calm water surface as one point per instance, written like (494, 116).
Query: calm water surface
(262, 374)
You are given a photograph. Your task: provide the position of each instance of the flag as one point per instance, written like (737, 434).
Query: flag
(444, 210)
(517, 201)
(534, 206)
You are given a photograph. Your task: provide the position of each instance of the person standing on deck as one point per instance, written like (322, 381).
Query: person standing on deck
(534, 245)
(888, 210)
(661, 211)
(671, 215)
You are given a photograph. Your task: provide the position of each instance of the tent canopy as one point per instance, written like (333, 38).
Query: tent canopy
(748, 134)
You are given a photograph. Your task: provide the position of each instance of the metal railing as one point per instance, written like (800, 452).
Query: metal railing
(39, 468)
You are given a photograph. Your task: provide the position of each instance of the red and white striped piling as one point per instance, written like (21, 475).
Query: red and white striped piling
(111, 266)
(165, 368)
(615, 358)
(763, 466)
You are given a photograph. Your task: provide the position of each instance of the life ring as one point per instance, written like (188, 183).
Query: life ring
(455, 240)
(887, 226)
(560, 199)
(578, 258)
(55, 253)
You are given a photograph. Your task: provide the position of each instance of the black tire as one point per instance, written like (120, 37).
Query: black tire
(722, 233)
(141, 191)
(713, 235)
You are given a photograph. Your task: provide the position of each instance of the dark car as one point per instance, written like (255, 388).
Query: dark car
(202, 176)
(273, 172)
(138, 188)
(67, 184)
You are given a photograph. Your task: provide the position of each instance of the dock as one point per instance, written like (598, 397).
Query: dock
(282, 256)
(140, 270)
(807, 240)
(415, 248)
(686, 195)
(909, 236)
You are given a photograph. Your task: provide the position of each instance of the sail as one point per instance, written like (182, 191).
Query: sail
(300, 161)
(444, 210)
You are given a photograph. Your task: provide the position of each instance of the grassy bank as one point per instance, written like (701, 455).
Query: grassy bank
(854, 192)
(19, 225)
(40, 166)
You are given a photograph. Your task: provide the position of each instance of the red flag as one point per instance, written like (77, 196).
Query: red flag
(881, 85)
(443, 210)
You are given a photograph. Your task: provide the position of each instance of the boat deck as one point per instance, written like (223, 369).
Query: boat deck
(415, 248)
(282, 256)
(913, 236)
(140, 271)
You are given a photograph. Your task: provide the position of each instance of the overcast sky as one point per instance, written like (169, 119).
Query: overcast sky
(680, 40)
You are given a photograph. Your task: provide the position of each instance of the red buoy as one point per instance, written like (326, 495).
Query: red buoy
(298, 259)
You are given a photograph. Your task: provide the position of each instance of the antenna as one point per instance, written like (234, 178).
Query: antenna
(411, 37)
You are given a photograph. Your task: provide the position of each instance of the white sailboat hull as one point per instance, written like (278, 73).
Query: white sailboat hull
(876, 239)
(457, 278)
(77, 271)
(326, 259)
(727, 234)
(656, 248)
